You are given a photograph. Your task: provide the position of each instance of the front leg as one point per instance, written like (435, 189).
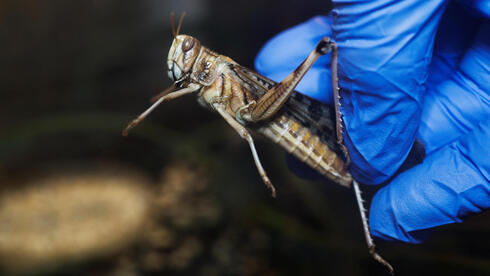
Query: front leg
(245, 134)
(162, 97)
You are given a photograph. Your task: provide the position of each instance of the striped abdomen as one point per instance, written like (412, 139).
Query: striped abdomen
(307, 147)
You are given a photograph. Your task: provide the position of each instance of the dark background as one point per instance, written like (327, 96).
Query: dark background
(74, 73)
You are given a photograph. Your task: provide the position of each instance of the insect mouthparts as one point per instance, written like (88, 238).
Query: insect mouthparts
(170, 74)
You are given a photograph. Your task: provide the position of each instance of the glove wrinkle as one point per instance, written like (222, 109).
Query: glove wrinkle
(468, 207)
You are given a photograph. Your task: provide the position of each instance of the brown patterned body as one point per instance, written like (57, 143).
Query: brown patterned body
(307, 147)
(230, 86)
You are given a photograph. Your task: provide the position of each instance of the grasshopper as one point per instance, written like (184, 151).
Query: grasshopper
(252, 103)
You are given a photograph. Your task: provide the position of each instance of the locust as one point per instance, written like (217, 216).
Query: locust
(253, 104)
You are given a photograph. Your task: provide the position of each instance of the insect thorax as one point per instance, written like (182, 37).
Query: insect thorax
(220, 82)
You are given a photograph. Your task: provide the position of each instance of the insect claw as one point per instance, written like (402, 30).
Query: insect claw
(380, 260)
(268, 184)
(271, 187)
(130, 126)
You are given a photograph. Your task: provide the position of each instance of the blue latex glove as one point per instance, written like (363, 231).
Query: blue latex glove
(401, 81)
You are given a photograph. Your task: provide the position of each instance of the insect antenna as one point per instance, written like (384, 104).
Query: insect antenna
(180, 23)
(172, 23)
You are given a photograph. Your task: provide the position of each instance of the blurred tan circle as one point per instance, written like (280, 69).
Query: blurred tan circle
(71, 217)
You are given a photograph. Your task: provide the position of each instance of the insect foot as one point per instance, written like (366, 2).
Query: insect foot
(324, 46)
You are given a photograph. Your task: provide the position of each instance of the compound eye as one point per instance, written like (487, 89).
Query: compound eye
(188, 44)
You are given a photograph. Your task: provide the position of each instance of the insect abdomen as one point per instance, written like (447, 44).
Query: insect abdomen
(307, 147)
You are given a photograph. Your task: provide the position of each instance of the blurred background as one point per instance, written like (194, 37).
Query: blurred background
(180, 195)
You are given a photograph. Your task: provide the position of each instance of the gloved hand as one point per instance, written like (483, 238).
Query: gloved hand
(408, 69)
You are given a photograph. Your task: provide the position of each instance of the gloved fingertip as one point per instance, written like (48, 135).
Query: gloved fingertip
(450, 185)
(288, 49)
(383, 220)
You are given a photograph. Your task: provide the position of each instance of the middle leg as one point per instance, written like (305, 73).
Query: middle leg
(244, 133)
